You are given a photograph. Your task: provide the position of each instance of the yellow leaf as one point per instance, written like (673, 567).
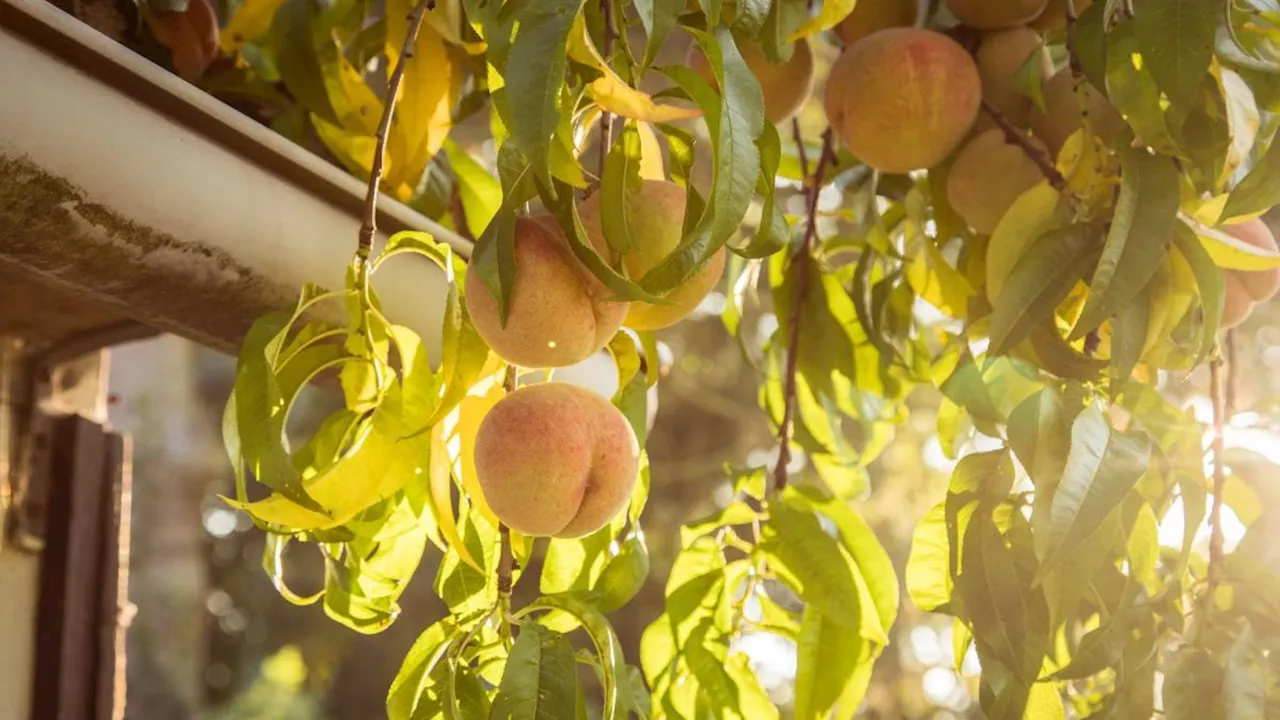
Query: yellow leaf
(440, 485)
(1034, 213)
(1230, 253)
(462, 435)
(355, 152)
(424, 111)
(358, 107)
(651, 167)
(614, 95)
(937, 282)
(247, 23)
(832, 12)
(279, 510)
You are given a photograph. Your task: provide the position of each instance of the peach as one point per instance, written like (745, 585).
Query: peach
(1054, 16)
(655, 212)
(1237, 304)
(1263, 284)
(869, 16)
(988, 175)
(1000, 56)
(559, 314)
(1062, 113)
(786, 86)
(902, 99)
(556, 459)
(995, 14)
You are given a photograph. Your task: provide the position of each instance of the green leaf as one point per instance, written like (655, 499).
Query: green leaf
(574, 564)
(1010, 617)
(1192, 684)
(1209, 281)
(535, 71)
(658, 17)
(1245, 681)
(624, 574)
(541, 679)
(695, 587)
(1102, 466)
(816, 567)
(772, 232)
(1140, 235)
(613, 667)
(870, 557)
(1091, 43)
(1134, 93)
(929, 564)
(632, 397)
(1259, 191)
(828, 656)
(427, 652)
(1038, 436)
(494, 254)
(561, 204)
(297, 60)
(1176, 41)
(480, 192)
(1040, 280)
(735, 127)
(1129, 335)
(621, 176)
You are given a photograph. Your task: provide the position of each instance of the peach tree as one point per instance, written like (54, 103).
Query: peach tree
(1045, 210)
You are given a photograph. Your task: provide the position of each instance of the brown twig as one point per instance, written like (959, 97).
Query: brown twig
(1233, 375)
(800, 262)
(369, 224)
(1219, 476)
(606, 117)
(1014, 136)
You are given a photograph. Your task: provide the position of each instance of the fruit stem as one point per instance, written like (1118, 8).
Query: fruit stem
(800, 263)
(369, 225)
(1219, 477)
(1015, 137)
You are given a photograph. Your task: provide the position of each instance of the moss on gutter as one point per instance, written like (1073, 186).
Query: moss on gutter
(51, 230)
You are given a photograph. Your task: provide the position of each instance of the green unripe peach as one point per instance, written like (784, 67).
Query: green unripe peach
(988, 175)
(556, 459)
(1000, 56)
(902, 99)
(869, 16)
(560, 313)
(995, 14)
(786, 86)
(655, 214)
